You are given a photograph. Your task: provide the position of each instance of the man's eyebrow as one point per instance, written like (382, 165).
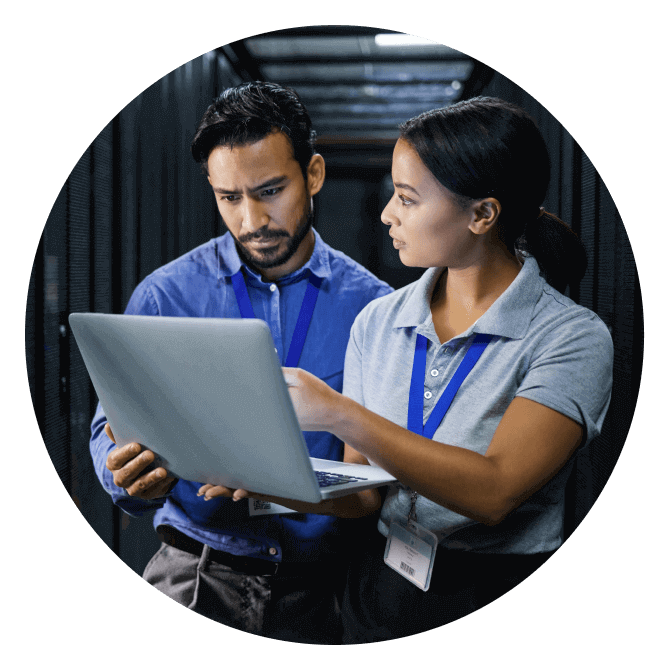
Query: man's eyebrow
(406, 186)
(275, 181)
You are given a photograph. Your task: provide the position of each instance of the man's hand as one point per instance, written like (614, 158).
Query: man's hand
(210, 491)
(128, 464)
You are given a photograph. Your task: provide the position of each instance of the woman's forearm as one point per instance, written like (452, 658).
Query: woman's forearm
(457, 478)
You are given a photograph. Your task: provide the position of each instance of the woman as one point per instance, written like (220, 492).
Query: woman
(474, 386)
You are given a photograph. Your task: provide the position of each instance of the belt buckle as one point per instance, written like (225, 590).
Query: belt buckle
(261, 567)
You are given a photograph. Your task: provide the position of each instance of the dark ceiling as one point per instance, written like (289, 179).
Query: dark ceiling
(359, 83)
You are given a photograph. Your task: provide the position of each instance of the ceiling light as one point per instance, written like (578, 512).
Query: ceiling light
(401, 40)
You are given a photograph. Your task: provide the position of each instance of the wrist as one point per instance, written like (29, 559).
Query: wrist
(338, 407)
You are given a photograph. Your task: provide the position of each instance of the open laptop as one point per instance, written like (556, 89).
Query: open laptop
(208, 397)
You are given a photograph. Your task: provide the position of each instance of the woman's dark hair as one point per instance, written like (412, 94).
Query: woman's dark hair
(487, 147)
(247, 113)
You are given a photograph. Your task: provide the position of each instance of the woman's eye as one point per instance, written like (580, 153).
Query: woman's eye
(405, 201)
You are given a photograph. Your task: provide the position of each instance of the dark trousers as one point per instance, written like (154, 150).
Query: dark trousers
(380, 605)
(300, 608)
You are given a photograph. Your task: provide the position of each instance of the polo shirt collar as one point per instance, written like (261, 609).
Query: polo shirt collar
(509, 316)
(229, 262)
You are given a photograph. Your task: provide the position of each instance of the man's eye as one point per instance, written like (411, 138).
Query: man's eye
(271, 191)
(228, 198)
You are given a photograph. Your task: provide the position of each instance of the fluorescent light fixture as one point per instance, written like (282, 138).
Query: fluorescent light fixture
(401, 40)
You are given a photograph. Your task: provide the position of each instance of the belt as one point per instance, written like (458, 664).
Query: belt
(244, 564)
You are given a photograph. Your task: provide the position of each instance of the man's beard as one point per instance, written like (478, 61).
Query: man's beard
(272, 258)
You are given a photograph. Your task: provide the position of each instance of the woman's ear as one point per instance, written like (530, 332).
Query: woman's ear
(485, 214)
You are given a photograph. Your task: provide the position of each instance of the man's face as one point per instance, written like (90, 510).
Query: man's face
(265, 202)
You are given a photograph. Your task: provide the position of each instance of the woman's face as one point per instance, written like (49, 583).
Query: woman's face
(428, 226)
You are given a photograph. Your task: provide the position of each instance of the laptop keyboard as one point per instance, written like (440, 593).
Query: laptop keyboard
(333, 478)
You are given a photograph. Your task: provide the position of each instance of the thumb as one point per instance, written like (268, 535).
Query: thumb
(110, 435)
(290, 376)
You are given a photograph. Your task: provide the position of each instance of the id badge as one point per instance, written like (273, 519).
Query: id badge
(410, 551)
(258, 507)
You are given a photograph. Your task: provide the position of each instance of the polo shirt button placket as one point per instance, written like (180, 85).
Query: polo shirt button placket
(430, 383)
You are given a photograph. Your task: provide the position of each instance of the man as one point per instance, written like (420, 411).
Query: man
(267, 571)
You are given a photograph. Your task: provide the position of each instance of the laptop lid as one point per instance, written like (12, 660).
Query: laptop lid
(207, 396)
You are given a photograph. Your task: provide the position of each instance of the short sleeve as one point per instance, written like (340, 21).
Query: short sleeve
(353, 363)
(571, 372)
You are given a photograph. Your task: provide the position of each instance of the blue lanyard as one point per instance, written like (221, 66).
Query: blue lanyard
(304, 317)
(415, 407)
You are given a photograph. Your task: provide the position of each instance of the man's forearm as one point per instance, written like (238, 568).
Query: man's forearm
(352, 506)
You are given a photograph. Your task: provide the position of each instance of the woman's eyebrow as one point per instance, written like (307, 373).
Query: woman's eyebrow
(406, 186)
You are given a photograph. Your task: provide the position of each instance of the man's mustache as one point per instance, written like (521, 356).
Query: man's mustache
(263, 234)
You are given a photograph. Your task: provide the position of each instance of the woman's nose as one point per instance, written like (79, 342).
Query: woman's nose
(387, 215)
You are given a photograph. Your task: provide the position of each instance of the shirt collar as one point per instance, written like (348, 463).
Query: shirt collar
(509, 316)
(229, 262)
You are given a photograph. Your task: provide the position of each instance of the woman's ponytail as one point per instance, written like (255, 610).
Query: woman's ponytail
(557, 249)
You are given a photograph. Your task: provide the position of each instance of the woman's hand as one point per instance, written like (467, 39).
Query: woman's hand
(314, 401)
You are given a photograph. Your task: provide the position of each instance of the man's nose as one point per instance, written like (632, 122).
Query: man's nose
(254, 216)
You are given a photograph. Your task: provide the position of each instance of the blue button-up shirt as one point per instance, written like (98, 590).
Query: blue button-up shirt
(198, 284)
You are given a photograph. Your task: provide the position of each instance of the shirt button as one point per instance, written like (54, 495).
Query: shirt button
(434, 373)
(273, 287)
(427, 395)
(272, 551)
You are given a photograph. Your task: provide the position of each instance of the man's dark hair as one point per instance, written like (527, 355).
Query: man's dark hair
(249, 112)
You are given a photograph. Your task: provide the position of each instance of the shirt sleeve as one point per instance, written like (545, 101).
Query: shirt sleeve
(571, 372)
(352, 386)
(142, 303)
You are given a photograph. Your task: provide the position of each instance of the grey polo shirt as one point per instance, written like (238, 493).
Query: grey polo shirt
(545, 348)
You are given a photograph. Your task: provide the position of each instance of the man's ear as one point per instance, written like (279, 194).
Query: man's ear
(316, 174)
